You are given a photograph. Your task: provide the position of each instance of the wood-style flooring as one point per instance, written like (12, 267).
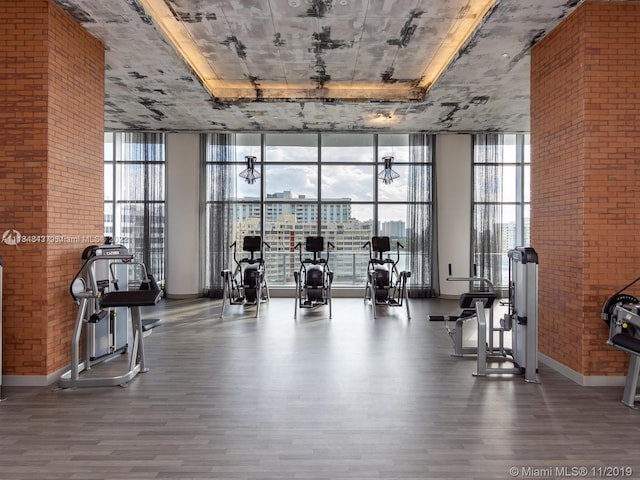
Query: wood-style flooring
(315, 399)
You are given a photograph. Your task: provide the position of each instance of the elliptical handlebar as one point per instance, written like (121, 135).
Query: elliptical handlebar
(314, 260)
(250, 260)
(329, 247)
(261, 259)
(383, 261)
(298, 246)
(235, 259)
(368, 244)
(398, 247)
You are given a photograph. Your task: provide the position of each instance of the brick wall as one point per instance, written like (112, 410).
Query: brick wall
(585, 131)
(51, 151)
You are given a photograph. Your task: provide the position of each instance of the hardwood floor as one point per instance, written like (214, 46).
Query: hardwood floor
(347, 398)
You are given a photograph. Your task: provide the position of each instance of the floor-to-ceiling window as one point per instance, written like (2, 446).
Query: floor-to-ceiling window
(501, 202)
(291, 194)
(316, 184)
(134, 193)
(347, 206)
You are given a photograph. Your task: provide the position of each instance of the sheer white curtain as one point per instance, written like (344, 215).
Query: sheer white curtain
(487, 235)
(219, 155)
(421, 221)
(139, 197)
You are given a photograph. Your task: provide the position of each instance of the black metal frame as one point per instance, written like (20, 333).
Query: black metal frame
(385, 284)
(314, 279)
(247, 284)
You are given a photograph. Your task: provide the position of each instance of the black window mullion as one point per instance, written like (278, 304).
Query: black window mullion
(319, 183)
(375, 184)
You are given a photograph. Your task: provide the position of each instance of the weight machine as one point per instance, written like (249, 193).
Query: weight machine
(621, 312)
(109, 314)
(467, 304)
(314, 279)
(521, 319)
(385, 285)
(247, 284)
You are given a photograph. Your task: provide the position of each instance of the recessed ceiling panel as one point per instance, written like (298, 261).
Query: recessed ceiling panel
(336, 65)
(332, 42)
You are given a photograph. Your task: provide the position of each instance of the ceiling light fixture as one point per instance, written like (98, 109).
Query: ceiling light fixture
(465, 23)
(250, 174)
(387, 174)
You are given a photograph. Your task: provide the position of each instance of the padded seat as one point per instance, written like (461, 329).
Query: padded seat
(148, 295)
(469, 299)
(626, 342)
(134, 298)
(468, 302)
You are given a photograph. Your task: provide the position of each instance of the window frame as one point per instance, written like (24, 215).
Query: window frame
(321, 165)
(522, 164)
(153, 242)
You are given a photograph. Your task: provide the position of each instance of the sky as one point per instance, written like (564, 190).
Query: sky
(354, 181)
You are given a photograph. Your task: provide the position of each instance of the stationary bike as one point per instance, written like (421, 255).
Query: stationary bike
(247, 285)
(313, 281)
(385, 285)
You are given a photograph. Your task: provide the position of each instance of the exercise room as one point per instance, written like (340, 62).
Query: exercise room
(319, 239)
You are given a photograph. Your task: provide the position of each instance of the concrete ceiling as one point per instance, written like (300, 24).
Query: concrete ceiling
(316, 48)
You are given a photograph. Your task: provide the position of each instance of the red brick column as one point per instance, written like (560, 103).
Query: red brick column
(585, 189)
(51, 175)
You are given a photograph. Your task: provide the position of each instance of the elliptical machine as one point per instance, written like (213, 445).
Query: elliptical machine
(385, 285)
(314, 279)
(247, 285)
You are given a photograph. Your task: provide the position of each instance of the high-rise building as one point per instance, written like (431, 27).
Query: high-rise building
(393, 229)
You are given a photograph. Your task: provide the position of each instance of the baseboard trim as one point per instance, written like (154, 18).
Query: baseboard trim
(30, 380)
(583, 380)
(182, 296)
